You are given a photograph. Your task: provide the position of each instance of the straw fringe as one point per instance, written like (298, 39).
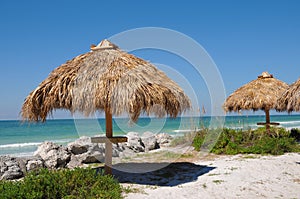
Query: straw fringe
(290, 99)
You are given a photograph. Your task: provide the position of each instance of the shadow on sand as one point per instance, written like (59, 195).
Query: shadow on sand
(160, 174)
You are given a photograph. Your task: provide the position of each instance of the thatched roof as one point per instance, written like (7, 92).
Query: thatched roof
(106, 78)
(290, 99)
(261, 93)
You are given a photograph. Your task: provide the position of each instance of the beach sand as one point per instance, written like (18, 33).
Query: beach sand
(215, 176)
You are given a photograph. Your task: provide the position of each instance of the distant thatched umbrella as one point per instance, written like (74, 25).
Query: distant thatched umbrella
(259, 94)
(110, 80)
(290, 99)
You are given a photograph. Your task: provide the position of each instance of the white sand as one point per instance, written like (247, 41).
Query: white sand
(240, 176)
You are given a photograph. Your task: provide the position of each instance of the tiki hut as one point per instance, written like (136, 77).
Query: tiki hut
(110, 80)
(259, 94)
(290, 99)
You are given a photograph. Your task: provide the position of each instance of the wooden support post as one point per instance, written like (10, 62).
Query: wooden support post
(267, 111)
(108, 144)
(108, 140)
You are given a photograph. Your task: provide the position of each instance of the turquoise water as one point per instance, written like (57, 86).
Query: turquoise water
(22, 139)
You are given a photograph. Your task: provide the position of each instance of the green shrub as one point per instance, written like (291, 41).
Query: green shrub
(257, 141)
(295, 133)
(199, 138)
(274, 146)
(68, 184)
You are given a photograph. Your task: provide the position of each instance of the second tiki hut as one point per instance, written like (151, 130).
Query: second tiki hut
(290, 99)
(259, 94)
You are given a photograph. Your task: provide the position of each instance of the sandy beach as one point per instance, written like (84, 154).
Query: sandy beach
(218, 176)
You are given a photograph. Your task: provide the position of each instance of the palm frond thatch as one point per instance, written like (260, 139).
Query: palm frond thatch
(259, 94)
(290, 99)
(106, 78)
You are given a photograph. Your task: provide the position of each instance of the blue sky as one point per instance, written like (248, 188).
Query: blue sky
(244, 38)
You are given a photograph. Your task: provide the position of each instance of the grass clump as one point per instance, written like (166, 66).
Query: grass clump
(68, 184)
(230, 141)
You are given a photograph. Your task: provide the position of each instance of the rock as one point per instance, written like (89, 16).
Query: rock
(96, 148)
(92, 157)
(9, 168)
(149, 140)
(12, 173)
(117, 149)
(134, 142)
(22, 161)
(77, 149)
(85, 152)
(34, 164)
(74, 162)
(53, 155)
(85, 158)
(163, 139)
(10, 162)
(80, 145)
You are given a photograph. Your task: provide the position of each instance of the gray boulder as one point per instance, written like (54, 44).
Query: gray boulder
(85, 158)
(164, 139)
(134, 142)
(149, 141)
(75, 161)
(85, 152)
(34, 164)
(9, 168)
(92, 156)
(77, 149)
(53, 155)
(117, 150)
(80, 145)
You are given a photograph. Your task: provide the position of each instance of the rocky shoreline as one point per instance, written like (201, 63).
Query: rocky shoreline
(75, 154)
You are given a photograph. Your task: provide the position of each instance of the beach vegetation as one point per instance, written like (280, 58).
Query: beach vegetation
(233, 168)
(295, 133)
(214, 174)
(131, 189)
(218, 181)
(64, 183)
(250, 156)
(231, 141)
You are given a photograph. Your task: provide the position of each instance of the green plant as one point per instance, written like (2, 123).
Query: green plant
(295, 133)
(130, 189)
(218, 181)
(231, 141)
(68, 184)
(199, 138)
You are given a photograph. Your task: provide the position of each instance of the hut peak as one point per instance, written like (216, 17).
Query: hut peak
(265, 75)
(104, 44)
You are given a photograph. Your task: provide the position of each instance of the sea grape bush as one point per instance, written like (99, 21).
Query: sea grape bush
(231, 141)
(65, 183)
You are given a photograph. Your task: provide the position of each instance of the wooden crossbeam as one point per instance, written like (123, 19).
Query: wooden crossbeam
(114, 140)
(271, 123)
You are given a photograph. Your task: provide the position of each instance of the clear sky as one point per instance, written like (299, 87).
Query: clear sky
(244, 38)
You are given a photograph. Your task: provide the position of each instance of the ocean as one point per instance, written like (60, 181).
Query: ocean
(22, 139)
